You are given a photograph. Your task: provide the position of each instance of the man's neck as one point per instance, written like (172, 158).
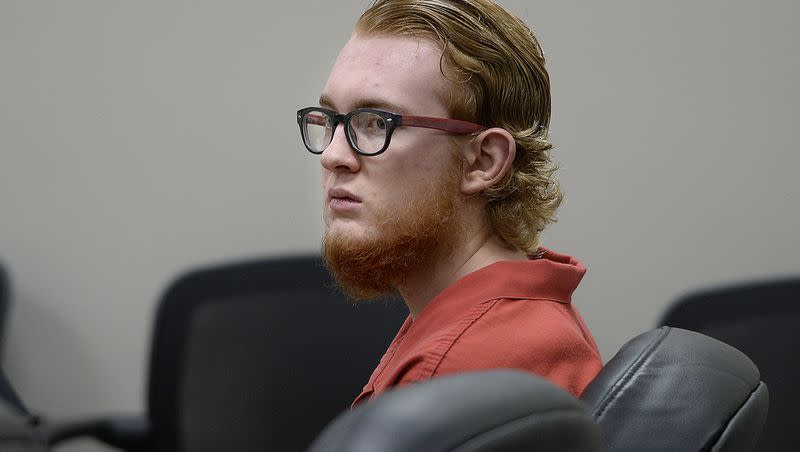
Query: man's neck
(479, 251)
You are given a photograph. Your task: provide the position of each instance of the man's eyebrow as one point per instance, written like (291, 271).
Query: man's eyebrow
(377, 104)
(325, 102)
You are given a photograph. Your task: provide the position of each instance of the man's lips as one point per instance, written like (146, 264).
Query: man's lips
(341, 194)
(340, 200)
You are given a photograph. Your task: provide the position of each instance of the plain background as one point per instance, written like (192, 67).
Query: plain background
(141, 139)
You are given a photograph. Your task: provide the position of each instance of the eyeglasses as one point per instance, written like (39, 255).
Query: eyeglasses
(368, 131)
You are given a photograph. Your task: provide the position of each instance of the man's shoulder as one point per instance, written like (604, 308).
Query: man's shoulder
(501, 317)
(523, 320)
(513, 331)
(536, 335)
(498, 325)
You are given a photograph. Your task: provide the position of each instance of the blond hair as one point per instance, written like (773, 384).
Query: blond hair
(498, 79)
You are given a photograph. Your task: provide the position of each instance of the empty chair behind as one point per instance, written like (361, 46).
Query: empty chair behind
(760, 319)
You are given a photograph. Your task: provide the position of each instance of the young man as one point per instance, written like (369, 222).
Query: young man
(432, 135)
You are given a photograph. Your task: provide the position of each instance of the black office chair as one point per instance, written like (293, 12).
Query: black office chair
(500, 410)
(251, 356)
(761, 319)
(665, 390)
(19, 430)
(5, 300)
(671, 389)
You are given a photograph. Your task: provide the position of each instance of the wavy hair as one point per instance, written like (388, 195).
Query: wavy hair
(497, 78)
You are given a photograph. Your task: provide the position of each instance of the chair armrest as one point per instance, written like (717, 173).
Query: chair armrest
(494, 410)
(131, 433)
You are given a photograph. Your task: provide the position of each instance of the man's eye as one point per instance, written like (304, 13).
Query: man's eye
(378, 123)
(373, 123)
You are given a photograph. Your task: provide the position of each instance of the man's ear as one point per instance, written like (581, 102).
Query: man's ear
(489, 158)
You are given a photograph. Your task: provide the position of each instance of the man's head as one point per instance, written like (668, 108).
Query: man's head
(392, 213)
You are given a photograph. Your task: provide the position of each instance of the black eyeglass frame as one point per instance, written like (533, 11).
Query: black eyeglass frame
(392, 122)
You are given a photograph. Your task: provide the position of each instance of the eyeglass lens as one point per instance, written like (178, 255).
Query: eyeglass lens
(317, 130)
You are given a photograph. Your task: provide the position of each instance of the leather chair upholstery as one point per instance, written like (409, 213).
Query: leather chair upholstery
(500, 410)
(672, 389)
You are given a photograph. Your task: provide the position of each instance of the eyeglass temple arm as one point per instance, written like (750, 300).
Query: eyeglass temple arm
(447, 125)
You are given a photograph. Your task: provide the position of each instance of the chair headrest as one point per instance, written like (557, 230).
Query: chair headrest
(500, 410)
(674, 389)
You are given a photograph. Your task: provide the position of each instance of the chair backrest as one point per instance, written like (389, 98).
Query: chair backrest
(761, 319)
(500, 410)
(260, 355)
(672, 389)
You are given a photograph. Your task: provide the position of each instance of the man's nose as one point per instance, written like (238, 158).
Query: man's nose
(339, 156)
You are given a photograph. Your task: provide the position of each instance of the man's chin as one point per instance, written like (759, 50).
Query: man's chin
(355, 262)
(350, 229)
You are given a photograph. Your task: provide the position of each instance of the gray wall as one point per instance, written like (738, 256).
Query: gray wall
(139, 139)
